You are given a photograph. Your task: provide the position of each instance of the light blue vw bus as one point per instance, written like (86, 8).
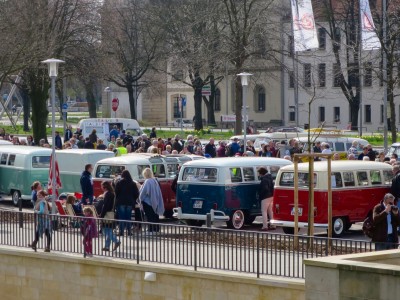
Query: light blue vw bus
(20, 166)
(227, 188)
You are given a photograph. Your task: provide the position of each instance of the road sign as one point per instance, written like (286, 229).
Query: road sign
(114, 104)
(206, 90)
(65, 108)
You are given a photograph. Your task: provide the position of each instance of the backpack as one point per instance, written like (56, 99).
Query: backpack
(368, 226)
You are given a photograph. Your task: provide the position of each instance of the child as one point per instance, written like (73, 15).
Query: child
(89, 231)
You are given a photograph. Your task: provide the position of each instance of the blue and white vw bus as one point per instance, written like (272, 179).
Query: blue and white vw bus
(227, 188)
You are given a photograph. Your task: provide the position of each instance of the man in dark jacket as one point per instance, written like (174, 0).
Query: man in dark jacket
(68, 134)
(126, 194)
(395, 188)
(385, 221)
(87, 185)
(265, 193)
(211, 149)
(58, 141)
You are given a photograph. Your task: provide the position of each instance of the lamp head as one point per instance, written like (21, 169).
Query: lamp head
(53, 66)
(244, 77)
(107, 89)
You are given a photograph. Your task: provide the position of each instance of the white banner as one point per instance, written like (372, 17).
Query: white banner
(370, 40)
(304, 31)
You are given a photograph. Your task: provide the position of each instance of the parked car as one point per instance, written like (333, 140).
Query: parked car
(185, 123)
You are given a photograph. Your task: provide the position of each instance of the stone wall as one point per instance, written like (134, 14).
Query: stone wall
(371, 276)
(28, 275)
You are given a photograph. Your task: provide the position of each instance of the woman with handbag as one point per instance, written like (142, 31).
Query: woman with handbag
(108, 216)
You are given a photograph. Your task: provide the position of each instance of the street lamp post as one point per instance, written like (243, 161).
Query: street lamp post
(244, 77)
(52, 64)
(108, 90)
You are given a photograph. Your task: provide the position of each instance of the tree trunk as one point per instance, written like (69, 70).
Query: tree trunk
(210, 105)
(198, 116)
(26, 107)
(392, 123)
(132, 100)
(91, 99)
(354, 109)
(40, 113)
(238, 106)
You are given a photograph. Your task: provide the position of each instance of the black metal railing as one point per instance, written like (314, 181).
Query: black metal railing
(253, 252)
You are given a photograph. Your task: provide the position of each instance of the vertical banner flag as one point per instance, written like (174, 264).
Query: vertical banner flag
(369, 38)
(58, 180)
(304, 31)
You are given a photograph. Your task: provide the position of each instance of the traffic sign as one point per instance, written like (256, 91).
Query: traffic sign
(206, 90)
(114, 104)
(65, 108)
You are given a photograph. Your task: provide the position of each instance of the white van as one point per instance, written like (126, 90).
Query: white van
(104, 126)
(71, 163)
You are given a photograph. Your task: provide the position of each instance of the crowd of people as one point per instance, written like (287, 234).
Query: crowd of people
(120, 198)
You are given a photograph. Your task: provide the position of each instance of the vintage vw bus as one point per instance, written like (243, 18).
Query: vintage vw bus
(227, 188)
(357, 186)
(164, 169)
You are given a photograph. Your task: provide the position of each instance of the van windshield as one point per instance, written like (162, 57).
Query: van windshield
(40, 162)
(133, 131)
(107, 171)
(200, 174)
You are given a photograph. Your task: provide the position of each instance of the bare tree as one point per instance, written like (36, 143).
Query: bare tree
(130, 42)
(242, 19)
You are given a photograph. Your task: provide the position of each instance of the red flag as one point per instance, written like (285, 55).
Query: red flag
(58, 180)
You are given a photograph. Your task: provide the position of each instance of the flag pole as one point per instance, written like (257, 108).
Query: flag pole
(384, 74)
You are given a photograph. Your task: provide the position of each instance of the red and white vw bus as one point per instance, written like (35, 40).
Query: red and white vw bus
(357, 186)
(164, 168)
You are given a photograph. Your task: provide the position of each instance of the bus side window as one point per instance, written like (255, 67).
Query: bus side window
(348, 179)
(248, 174)
(362, 178)
(387, 177)
(11, 160)
(236, 174)
(336, 179)
(339, 146)
(3, 160)
(159, 171)
(375, 177)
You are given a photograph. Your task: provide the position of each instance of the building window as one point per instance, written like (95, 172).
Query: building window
(321, 114)
(217, 100)
(322, 75)
(336, 114)
(353, 73)
(368, 74)
(307, 75)
(337, 78)
(367, 113)
(322, 38)
(382, 114)
(292, 113)
(291, 79)
(260, 99)
(337, 38)
(177, 107)
(291, 46)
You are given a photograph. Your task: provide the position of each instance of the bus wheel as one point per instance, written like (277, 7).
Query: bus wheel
(237, 219)
(248, 220)
(338, 226)
(15, 198)
(288, 230)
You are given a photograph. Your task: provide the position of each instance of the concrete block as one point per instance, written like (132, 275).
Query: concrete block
(359, 284)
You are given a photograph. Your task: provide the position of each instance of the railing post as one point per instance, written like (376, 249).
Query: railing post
(195, 255)
(258, 255)
(21, 217)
